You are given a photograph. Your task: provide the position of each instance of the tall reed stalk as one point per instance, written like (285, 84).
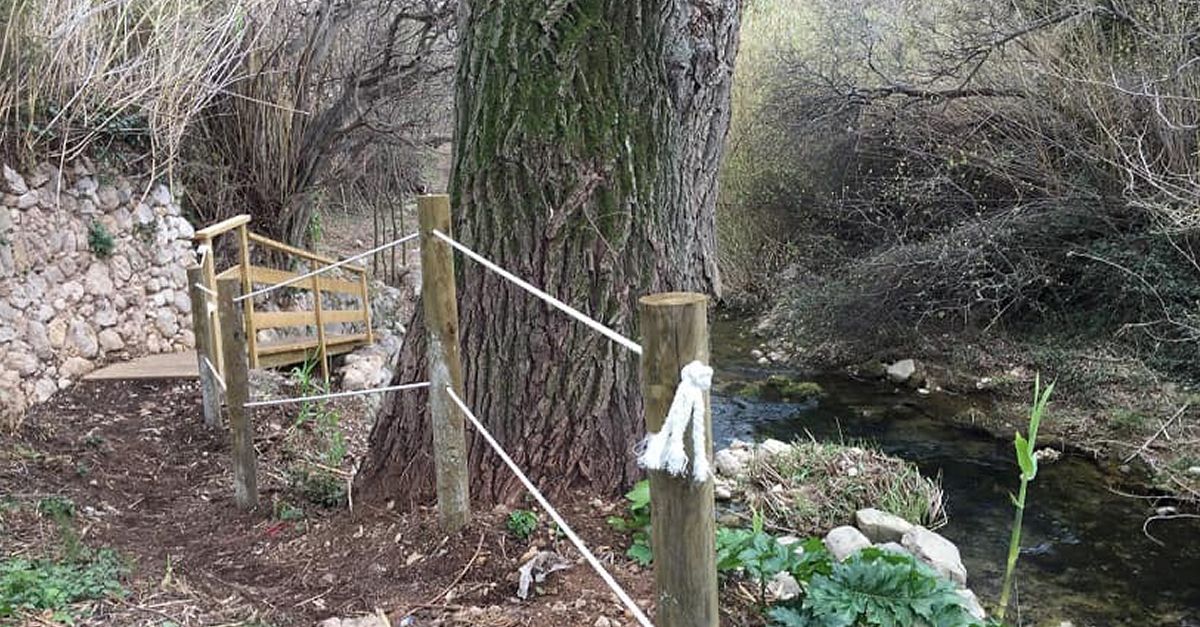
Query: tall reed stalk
(1028, 463)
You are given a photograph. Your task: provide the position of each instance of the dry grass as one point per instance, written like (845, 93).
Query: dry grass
(817, 486)
(78, 75)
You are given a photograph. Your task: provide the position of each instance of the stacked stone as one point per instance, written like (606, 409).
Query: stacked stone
(66, 309)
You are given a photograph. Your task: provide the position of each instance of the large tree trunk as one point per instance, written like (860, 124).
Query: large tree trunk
(588, 139)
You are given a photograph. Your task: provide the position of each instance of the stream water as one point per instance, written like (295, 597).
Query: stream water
(1085, 558)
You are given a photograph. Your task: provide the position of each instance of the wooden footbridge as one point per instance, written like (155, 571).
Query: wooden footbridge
(316, 342)
(318, 332)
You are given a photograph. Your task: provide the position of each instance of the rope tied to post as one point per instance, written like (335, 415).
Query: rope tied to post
(665, 450)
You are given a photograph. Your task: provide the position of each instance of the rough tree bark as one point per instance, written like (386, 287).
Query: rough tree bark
(588, 139)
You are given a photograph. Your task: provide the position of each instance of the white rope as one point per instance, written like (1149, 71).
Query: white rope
(308, 275)
(210, 293)
(562, 524)
(565, 308)
(216, 375)
(321, 397)
(665, 450)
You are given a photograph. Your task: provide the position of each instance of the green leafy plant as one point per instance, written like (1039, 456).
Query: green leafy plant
(637, 524)
(285, 511)
(58, 508)
(319, 486)
(315, 228)
(876, 587)
(756, 552)
(100, 241)
(1028, 463)
(39, 585)
(521, 523)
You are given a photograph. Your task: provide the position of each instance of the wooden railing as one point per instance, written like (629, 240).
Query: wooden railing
(293, 349)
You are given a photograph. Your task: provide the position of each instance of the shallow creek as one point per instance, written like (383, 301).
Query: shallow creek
(1084, 557)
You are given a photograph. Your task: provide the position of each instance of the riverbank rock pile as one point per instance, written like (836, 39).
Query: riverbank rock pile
(92, 270)
(889, 532)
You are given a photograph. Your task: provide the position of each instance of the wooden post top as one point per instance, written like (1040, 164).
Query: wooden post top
(672, 299)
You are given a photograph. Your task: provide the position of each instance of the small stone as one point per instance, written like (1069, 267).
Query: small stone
(722, 491)
(27, 200)
(731, 462)
(44, 389)
(1194, 471)
(24, 364)
(39, 339)
(893, 547)
(83, 339)
(881, 526)
(97, 281)
(106, 198)
(937, 551)
(110, 341)
(161, 195)
(774, 448)
(603, 621)
(783, 587)
(72, 291)
(901, 371)
(756, 354)
(166, 323)
(143, 214)
(845, 541)
(15, 182)
(974, 608)
(75, 367)
(57, 332)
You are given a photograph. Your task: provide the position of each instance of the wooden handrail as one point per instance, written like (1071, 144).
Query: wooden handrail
(300, 252)
(210, 232)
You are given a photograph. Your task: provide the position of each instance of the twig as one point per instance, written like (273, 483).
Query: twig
(336, 471)
(1146, 525)
(1157, 433)
(463, 573)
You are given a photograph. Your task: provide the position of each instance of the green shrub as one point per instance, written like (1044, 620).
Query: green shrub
(57, 508)
(40, 585)
(100, 241)
(521, 523)
(876, 587)
(637, 524)
(319, 487)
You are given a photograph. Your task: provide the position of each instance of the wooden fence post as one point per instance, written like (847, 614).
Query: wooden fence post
(674, 330)
(237, 392)
(202, 329)
(445, 367)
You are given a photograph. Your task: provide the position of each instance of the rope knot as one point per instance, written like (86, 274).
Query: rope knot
(665, 450)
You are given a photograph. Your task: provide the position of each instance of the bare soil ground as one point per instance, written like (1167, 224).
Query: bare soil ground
(150, 481)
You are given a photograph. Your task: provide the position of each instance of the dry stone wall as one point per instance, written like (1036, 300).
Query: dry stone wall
(92, 270)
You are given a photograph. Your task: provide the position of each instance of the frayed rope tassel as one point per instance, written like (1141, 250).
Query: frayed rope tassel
(665, 450)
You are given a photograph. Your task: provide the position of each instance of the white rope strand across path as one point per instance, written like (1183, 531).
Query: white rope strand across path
(322, 397)
(561, 306)
(562, 524)
(321, 270)
(216, 375)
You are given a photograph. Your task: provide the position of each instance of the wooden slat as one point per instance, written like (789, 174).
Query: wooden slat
(309, 341)
(270, 276)
(299, 356)
(276, 319)
(210, 232)
(300, 252)
(232, 272)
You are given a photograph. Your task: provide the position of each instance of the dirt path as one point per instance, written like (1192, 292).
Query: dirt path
(148, 480)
